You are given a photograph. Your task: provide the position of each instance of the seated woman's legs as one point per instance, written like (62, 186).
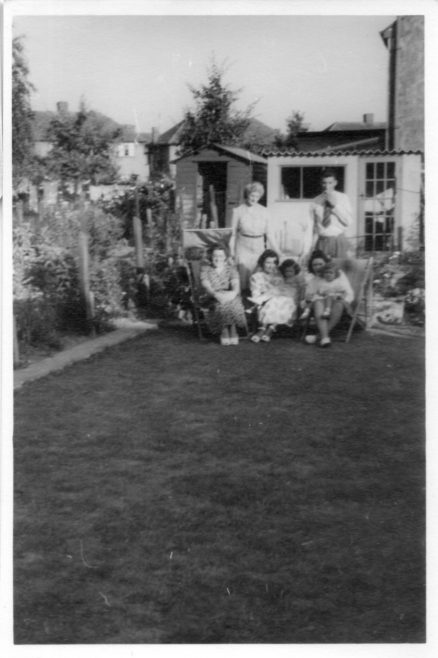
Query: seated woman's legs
(336, 311)
(321, 322)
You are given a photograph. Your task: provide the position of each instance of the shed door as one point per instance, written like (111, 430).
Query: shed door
(377, 206)
(213, 188)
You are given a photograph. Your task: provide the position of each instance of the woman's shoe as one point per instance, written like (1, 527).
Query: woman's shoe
(225, 341)
(310, 339)
(266, 338)
(255, 338)
(325, 342)
(234, 340)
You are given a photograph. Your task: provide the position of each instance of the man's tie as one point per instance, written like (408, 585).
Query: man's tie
(326, 214)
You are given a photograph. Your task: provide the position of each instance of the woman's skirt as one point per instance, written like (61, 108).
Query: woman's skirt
(278, 310)
(220, 316)
(248, 251)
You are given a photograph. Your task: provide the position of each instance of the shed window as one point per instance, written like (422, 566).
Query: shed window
(305, 182)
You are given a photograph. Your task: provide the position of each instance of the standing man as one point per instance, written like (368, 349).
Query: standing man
(331, 214)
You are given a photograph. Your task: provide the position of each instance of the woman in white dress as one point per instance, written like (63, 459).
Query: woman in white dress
(250, 233)
(274, 303)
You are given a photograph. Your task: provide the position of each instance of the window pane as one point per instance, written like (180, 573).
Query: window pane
(311, 182)
(369, 189)
(390, 169)
(370, 171)
(380, 170)
(290, 182)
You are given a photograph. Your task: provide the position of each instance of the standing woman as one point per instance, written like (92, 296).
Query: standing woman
(250, 233)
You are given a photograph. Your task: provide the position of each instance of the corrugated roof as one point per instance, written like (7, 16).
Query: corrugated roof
(323, 154)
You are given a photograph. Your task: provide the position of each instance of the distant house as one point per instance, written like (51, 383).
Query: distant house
(216, 173)
(163, 150)
(404, 40)
(129, 148)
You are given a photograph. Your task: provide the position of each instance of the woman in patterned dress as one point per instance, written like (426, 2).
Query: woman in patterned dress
(250, 233)
(221, 282)
(274, 306)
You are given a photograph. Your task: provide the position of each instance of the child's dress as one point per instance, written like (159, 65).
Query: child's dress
(275, 304)
(221, 315)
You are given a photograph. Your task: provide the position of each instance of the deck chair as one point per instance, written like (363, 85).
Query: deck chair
(197, 295)
(359, 272)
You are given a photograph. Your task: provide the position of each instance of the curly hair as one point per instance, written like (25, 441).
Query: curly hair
(255, 186)
(288, 263)
(268, 253)
(317, 254)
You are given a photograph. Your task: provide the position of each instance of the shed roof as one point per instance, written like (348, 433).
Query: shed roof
(233, 151)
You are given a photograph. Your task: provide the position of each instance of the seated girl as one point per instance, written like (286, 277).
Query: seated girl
(275, 305)
(225, 309)
(293, 282)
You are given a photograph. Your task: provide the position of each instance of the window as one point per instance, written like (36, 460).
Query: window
(126, 150)
(380, 185)
(305, 182)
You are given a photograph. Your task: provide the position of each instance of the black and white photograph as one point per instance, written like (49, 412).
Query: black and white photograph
(214, 260)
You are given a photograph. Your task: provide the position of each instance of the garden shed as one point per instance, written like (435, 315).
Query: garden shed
(384, 188)
(210, 183)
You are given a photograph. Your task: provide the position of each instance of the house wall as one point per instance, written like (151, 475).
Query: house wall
(137, 163)
(291, 219)
(239, 175)
(409, 199)
(409, 84)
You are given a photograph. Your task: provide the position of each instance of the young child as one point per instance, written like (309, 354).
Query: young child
(293, 283)
(331, 287)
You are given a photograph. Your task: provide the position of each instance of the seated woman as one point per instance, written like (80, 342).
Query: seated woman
(274, 304)
(328, 292)
(221, 282)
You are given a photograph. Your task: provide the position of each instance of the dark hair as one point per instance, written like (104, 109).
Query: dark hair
(329, 173)
(286, 264)
(268, 253)
(217, 247)
(317, 254)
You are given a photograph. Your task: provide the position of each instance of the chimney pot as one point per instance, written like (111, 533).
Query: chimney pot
(368, 119)
(155, 135)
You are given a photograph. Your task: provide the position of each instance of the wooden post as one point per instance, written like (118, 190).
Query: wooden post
(84, 272)
(16, 348)
(142, 288)
(214, 223)
(400, 238)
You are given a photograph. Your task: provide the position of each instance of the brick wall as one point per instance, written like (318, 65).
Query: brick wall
(409, 89)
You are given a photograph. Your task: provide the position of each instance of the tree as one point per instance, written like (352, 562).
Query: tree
(295, 124)
(22, 115)
(213, 119)
(82, 145)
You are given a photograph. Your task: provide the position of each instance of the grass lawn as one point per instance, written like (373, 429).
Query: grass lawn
(171, 491)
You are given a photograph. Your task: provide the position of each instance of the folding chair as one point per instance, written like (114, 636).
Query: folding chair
(197, 295)
(359, 273)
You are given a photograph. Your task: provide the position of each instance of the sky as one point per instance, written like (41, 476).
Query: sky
(137, 69)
